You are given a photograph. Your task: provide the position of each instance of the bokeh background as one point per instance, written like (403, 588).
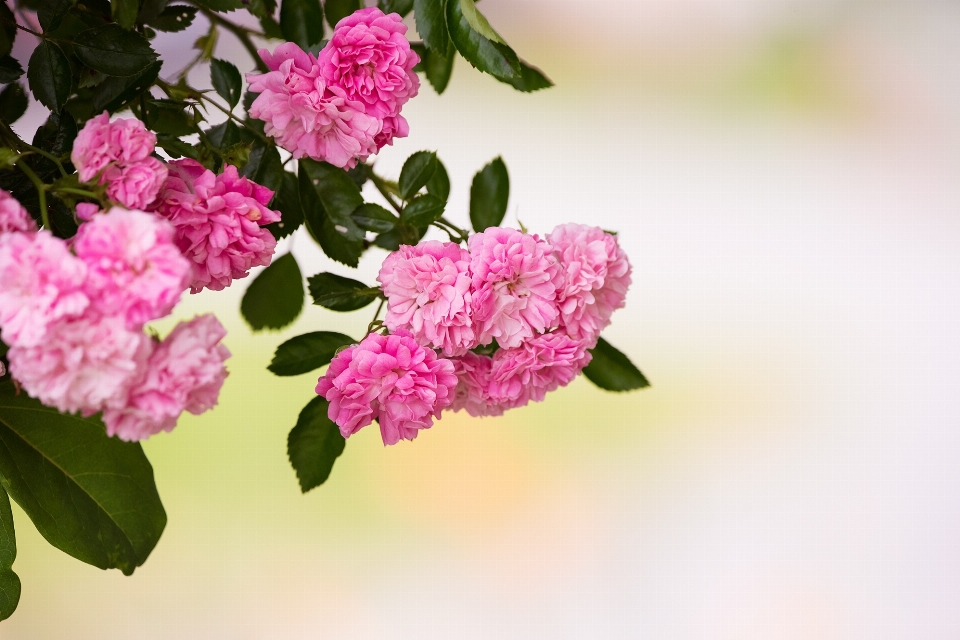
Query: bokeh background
(784, 176)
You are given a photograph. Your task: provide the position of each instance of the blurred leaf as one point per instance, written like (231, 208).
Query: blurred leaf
(262, 8)
(224, 135)
(9, 581)
(373, 217)
(275, 298)
(8, 32)
(307, 352)
(423, 210)
(402, 7)
(223, 6)
(237, 154)
(174, 18)
(150, 9)
(337, 10)
(168, 116)
(287, 202)
(439, 183)
(264, 166)
(176, 147)
(478, 43)
(10, 69)
(417, 170)
(432, 25)
(49, 75)
(531, 79)
(389, 240)
(489, 194)
(340, 294)
(90, 496)
(13, 103)
(113, 50)
(50, 13)
(125, 12)
(271, 28)
(113, 94)
(613, 371)
(314, 444)
(226, 81)
(301, 21)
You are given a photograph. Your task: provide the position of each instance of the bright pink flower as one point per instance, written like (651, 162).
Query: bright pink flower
(40, 283)
(219, 222)
(393, 127)
(539, 365)
(369, 57)
(184, 373)
(86, 210)
(428, 293)
(135, 271)
(391, 379)
(596, 278)
(82, 365)
(135, 185)
(473, 386)
(13, 217)
(515, 280)
(101, 142)
(307, 117)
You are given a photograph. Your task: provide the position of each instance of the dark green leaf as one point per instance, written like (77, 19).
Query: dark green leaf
(222, 6)
(50, 13)
(287, 202)
(301, 21)
(613, 371)
(271, 28)
(314, 444)
(275, 298)
(359, 174)
(226, 81)
(125, 12)
(307, 352)
(113, 50)
(8, 32)
(488, 195)
(423, 210)
(389, 240)
(56, 137)
(176, 147)
(264, 166)
(237, 154)
(49, 75)
(10, 69)
(224, 135)
(402, 7)
(113, 94)
(90, 496)
(478, 43)
(531, 79)
(345, 248)
(432, 25)
(337, 191)
(439, 184)
(13, 103)
(340, 294)
(373, 217)
(168, 116)
(9, 581)
(417, 170)
(263, 8)
(150, 9)
(439, 68)
(174, 18)
(337, 10)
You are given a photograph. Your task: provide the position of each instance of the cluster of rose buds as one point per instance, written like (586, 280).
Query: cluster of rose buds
(512, 317)
(344, 104)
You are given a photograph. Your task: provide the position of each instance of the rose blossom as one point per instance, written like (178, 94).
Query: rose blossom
(307, 117)
(539, 365)
(391, 379)
(473, 386)
(219, 222)
(101, 142)
(515, 280)
(134, 269)
(135, 185)
(393, 127)
(428, 293)
(596, 277)
(13, 217)
(40, 283)
(184, 373)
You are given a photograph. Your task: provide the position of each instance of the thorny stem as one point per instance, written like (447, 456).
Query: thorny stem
(22, 28)
(41, 191)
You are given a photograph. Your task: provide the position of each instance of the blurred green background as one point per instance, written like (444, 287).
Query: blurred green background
(783, 174)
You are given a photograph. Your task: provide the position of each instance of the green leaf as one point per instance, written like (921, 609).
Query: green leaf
(337, 191)
(613, 371)
(113, 50)
(307, 352)
(263, 9)
(13, 103)
(9, 581)
(168, 116)
(226, 81)
(8, 30)
(432, 25)
(176, 17)
(301, 21)
(340, 294)
(10, 69)
(373, 217)
(439, 183)
(115, 93)
(476, 41)
(287, 202)
(90, 496)
(223, 6)
(344, 248)
(265, 167)
(488, 195)
(125, 12)
(271, 28)
(402, 7)
(417, 170)
(49, 75)
(275, 298)
(176, 147)
(337, 10)
(50, 13)
(423, 210)
(224, 135)
(531, 79)
(314, 444)
(150, 9)
(439, 68)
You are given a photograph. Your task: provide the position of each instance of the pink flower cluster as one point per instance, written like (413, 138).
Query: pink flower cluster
(540, 304)
(73, 316)
(344, 104)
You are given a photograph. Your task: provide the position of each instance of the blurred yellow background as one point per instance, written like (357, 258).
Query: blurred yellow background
(784, 176)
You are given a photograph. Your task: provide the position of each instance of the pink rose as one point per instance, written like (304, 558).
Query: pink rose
(135, 185)
(391, 379)
(515, 280)
(538, 366)
(13, 217)
(428, 294)
(473, 386)
(101, 142)
(393, 127)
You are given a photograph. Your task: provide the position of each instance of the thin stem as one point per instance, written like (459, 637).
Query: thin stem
(48, 156)
(242, 33)
(376, 324)
(22, 28)
(41, 191)
(235, 118)
(77, 192)
(463, 234)
(382, 188)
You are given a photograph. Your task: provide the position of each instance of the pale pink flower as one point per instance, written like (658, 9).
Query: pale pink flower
(307, 117)
(86, 210)
(40, 283)
(82, 365)
(596, 278)
(135, 185)
(370, 58)
(101, 143)
(428, 293)
(473, 386)
(13, 217)
(134, 268)
(515, 280)
(219, 222)
(391, 379)
(538, 366)
(185, 372)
